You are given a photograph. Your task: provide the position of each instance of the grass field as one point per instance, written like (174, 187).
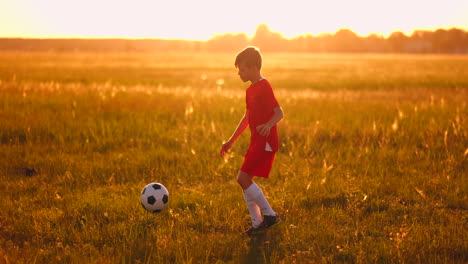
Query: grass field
(372, 166)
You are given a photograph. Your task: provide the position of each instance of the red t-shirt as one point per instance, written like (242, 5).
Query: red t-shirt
(260, 102)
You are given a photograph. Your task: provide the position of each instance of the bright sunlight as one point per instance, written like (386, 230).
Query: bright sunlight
(200, 20)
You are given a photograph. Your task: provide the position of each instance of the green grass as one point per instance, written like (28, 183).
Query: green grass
(372, 166)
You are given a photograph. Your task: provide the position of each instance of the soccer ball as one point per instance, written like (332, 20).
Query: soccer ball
(154, 197)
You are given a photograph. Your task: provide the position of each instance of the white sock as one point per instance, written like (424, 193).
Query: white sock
(255, 193)
(254, 211)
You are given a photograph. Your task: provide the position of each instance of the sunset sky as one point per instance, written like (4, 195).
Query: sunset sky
(202, 19)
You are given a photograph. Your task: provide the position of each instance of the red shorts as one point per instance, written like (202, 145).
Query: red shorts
(258, 163)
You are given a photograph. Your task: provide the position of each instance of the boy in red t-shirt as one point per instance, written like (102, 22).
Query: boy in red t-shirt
(261, 115)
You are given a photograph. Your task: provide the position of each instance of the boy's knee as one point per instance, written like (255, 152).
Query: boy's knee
(241, 176)
(244, 179)
(239, 179)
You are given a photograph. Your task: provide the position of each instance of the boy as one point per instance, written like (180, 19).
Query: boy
(261, 115)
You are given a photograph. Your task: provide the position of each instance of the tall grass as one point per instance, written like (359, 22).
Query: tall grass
(372, 165)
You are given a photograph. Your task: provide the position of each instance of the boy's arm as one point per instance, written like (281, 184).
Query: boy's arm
(264, 129)
(244, 122)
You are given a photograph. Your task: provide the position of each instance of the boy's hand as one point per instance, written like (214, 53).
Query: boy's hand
(226, 146)
(264, 130)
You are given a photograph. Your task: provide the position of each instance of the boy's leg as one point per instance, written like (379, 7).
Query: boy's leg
(253, 192)
(245, 180)
(254, 211)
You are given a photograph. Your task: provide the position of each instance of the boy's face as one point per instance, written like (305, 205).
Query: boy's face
(246, 72)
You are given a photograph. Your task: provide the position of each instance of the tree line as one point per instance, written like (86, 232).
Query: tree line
(344, 40)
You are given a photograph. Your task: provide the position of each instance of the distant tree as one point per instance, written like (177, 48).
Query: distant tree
(324, 42)
(441, 40)
(227, 42)
(268, 40)
(419, 42)
(397, 41)
(458, 40)
(375, 43)
(298, 44)
(345, 40)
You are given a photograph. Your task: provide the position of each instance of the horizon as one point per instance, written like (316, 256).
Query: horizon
(181, 20)
(249, 36)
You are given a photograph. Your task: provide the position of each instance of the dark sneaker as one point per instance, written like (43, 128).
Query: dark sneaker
(269, 220)
(255, 230)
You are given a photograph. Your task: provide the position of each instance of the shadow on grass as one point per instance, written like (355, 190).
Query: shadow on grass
(264, 246)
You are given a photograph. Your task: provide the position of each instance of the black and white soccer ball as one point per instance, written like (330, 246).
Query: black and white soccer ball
(154, 197)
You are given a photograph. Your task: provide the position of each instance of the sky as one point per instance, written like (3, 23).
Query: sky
(201, 19)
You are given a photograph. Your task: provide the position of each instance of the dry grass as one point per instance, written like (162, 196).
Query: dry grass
(372, 166)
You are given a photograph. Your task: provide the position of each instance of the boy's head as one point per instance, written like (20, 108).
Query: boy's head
(249, 57)
(249, 63)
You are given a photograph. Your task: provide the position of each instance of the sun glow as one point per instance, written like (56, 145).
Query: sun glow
(202, 19)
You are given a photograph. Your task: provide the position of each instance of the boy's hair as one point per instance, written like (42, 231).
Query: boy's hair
(250, 56)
